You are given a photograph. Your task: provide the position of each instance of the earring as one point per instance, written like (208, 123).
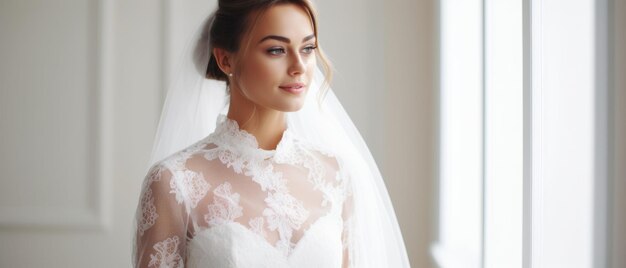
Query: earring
(230, 74)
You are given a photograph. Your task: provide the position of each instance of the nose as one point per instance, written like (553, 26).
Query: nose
(298, 66)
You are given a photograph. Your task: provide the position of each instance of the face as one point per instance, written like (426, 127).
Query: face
(278, 67)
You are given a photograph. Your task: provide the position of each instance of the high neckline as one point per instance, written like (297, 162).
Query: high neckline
(227, 133)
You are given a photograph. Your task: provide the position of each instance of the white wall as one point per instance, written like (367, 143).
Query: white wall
(385, 55)
(77, 84)
(411, 118)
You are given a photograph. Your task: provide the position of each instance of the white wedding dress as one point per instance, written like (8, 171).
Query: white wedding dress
(224, 202)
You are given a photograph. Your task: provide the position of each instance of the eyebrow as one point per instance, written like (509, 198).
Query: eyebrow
(285, 39)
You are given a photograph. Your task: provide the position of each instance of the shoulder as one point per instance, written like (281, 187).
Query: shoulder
(327, 156)
(179, 172)
(180, 160)
(329, 163)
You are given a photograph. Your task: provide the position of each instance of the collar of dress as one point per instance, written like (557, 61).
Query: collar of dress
(228, 136)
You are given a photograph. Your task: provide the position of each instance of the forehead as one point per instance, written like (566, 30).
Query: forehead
(288, 20)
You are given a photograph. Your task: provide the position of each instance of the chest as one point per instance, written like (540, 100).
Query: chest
(234, 245)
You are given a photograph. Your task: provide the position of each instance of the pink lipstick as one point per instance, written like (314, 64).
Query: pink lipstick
(294, 88)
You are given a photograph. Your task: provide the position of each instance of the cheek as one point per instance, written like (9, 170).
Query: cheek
(311, 67)
(260, 72)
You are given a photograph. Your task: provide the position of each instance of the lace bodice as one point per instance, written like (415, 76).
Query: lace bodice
(224, 202)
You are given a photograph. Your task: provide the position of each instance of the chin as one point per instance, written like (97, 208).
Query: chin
(290, 105)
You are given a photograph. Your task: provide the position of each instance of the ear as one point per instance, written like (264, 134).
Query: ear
(224, 60)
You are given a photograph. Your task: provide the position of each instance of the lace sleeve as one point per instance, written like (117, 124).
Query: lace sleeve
(160, 223)
(346, 215)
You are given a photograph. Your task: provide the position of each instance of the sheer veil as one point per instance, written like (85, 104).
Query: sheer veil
(193, 104)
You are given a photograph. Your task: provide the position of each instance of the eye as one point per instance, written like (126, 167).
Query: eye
(309, 49)
(276, 51)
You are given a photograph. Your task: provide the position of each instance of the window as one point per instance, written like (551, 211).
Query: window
(523, 146)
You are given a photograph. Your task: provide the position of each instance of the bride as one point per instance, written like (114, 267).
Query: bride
(255, 163)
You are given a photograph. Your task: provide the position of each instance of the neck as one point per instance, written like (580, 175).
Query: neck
(266, 125)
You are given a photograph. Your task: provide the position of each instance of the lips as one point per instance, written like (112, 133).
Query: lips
(293, 87)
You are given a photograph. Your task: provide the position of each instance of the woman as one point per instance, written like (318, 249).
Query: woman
(284, 179)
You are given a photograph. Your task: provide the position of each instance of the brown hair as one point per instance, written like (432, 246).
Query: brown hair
(226, 27)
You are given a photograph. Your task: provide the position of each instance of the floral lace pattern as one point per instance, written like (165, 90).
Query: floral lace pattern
(257, 226)
(231, 159)
(166, 254)
(148, 215)
(239, 150)
(189, 184)
(225, 207)
(148, 212)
